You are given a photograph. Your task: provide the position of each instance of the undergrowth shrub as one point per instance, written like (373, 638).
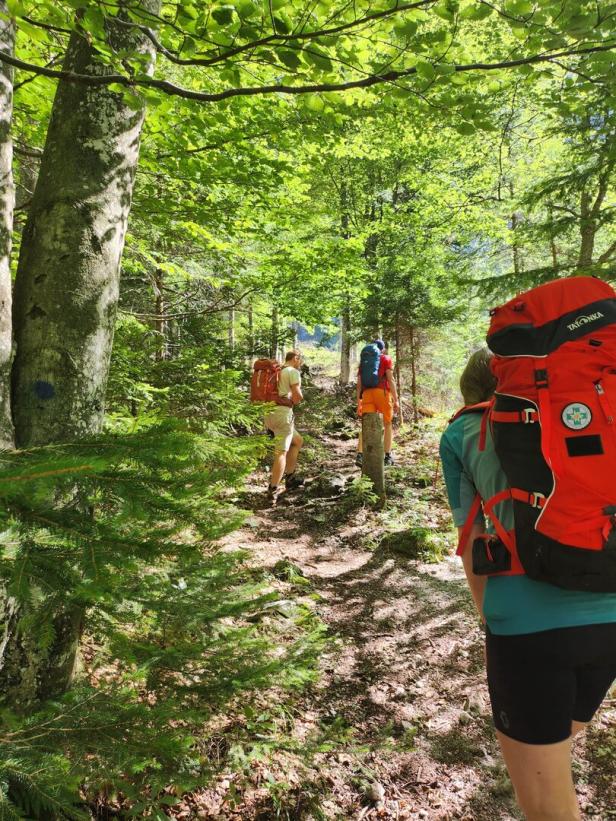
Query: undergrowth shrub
(123, 528)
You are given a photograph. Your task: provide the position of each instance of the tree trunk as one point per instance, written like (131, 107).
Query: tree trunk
(345, 344)
(374, 455)
(414, 352)
(515, 247)
(65, 303)
(7, 197)
(160, 323)
(275, 333)
(67, 282)
(250, 342)
(398, 369)
(231, 330)
(553, 248)
(294, 334)
(9, 608)
(588, 230)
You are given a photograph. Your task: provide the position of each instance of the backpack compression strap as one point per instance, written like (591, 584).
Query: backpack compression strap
(468, 524)
(530, 416)
(528, 497)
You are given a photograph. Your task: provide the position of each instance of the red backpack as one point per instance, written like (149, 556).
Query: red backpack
(553, 423)
(264, 382)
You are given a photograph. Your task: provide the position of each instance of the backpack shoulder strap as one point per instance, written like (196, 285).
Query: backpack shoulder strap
(480, 407)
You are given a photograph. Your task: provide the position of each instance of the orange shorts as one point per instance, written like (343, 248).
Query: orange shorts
(376, 400)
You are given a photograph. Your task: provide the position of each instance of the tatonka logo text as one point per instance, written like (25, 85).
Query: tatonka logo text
(584, 320)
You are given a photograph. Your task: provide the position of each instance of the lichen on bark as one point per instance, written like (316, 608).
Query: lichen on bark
(68, 273)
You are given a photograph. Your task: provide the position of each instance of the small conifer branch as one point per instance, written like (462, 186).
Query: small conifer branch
(45, 474)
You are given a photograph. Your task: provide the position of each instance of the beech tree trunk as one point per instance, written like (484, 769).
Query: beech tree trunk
(7, 199)
(67, 284)
(65, 303)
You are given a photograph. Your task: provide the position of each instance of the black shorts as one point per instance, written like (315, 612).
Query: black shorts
(540, 682)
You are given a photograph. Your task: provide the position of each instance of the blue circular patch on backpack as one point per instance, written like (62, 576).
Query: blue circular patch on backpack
(576, 416)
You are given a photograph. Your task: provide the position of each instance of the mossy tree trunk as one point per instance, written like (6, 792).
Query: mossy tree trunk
(65, 301)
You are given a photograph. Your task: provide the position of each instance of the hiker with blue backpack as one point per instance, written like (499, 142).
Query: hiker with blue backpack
(534, 452)
(376, 393)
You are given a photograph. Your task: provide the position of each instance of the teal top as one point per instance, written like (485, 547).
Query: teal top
(512, 604)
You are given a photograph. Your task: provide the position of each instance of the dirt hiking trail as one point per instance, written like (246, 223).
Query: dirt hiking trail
(402, 687)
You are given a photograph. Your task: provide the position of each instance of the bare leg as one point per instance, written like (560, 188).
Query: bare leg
(388, 436)
(296, 444)
(542, 779)
(360, 447)
(278, 468)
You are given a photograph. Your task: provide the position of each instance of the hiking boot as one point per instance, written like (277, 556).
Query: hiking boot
(388, 461)
(359, 459)
(273, 493)
(292, 482)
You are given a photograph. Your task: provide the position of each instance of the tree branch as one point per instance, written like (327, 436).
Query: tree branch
(605, 256)
(211, 309)
(27, 151)
(604, 181)
(274, 38)
(250, 91)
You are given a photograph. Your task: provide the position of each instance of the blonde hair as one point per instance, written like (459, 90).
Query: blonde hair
(477, 382)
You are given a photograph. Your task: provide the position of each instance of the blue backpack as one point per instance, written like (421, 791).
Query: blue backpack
(369, 362)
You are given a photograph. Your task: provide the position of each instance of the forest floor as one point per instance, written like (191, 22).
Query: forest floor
(401, 697)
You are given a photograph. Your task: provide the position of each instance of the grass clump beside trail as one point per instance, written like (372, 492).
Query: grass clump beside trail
(420, 543)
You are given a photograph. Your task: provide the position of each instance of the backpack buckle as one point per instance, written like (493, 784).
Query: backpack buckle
(527, 415)
(536, 499)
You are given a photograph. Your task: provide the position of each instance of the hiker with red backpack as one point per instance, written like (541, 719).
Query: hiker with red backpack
(282, 386)
(534, 451)
(376, 393)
